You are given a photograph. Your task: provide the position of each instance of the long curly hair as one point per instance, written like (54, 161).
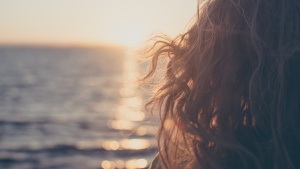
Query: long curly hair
(230, 95)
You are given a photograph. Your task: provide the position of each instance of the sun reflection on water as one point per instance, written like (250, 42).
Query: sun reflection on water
(126, 113)
(107, 164)
(113, 145)
(141, 131)
(130, 116)
(134, 102)
(130, 108)
(121, 125)
(137, 163)
(130, 164)
(127, 144)
(135, 144)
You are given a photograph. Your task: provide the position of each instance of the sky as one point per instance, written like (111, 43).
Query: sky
(91, 22)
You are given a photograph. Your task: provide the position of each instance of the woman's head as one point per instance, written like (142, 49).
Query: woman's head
(231, 90)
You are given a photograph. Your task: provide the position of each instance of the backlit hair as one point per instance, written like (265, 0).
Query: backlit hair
(230, 97)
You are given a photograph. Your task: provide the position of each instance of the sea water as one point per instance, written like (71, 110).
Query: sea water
(72, 108)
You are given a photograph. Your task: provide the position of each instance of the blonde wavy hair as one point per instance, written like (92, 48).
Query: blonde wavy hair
(230, 97)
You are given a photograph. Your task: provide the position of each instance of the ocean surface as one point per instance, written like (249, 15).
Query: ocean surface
(72, 108)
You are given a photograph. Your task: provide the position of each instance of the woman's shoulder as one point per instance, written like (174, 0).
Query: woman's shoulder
(155, 163)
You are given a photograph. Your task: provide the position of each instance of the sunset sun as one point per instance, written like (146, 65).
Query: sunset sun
(132, 37)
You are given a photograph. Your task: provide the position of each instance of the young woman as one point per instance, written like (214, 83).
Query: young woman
(230, 98)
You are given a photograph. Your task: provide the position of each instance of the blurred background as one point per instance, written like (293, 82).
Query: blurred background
(68, 92)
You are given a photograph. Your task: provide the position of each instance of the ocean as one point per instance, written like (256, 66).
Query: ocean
(72, 108)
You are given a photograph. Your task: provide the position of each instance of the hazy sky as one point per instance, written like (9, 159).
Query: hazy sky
(91, 21)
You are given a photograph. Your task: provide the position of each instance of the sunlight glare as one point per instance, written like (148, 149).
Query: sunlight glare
(111, 145)
(132, 37)
(136, 163)
(121, 125)
(130, 164)
(135, 102)
(135, 144)
(141, 131)
(105, 164)
(125, 113)
(127, 91)
(120, 164)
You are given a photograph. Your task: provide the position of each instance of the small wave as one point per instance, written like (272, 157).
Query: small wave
(121, 148)
(10, 159)
(22, 122)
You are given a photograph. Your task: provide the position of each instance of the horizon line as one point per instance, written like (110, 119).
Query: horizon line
(66, 45)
